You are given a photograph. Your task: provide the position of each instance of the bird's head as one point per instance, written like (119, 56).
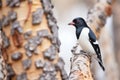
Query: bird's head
(78, 22)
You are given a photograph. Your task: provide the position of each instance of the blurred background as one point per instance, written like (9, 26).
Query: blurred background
(65, 11)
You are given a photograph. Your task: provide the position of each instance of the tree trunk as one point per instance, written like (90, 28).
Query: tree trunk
(99, 18)
(30, 40)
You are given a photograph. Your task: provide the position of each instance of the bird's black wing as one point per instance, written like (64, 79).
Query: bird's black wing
(93, 41)
(92, 36)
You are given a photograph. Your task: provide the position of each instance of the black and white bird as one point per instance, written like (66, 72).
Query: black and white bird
(87, 39)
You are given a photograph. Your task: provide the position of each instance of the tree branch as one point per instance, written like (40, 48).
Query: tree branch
(80, 66)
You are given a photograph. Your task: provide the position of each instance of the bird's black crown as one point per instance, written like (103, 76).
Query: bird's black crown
(79, 22)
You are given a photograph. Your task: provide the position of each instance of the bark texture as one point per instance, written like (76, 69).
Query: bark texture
(80, 66)
(30, 40)
(3, 71)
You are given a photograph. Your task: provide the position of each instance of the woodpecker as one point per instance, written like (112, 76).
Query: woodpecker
(87, 39)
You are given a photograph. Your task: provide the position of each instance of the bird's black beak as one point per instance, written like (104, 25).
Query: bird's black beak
(71, 23)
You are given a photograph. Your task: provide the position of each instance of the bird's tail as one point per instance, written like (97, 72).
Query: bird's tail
(100, 62)
(101, 65)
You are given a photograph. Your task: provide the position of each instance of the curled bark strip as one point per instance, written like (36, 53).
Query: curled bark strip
(17, 39)
(4, 54)
(29, 11)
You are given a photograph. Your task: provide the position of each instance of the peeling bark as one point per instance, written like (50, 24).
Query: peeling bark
(31, 40)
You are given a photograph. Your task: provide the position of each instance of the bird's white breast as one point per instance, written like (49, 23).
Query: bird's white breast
(84, 41)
